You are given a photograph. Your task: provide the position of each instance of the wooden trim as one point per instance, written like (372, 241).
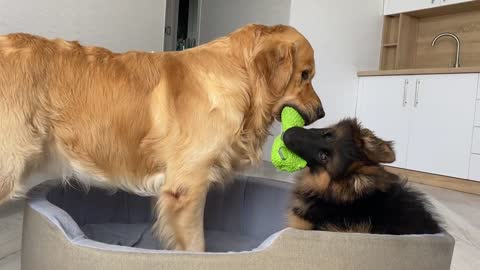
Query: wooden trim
(457, 184)
(420, 71)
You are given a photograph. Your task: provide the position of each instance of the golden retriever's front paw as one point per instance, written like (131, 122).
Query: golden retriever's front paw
(191, 249)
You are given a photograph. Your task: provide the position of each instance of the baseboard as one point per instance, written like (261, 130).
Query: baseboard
(457, 184)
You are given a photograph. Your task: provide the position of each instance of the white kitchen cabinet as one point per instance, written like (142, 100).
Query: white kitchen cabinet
(451, 2)
(477, 114)
(474, 173)
(399, 6)
(441, 124)
(430, 119)
(476, 141)
(382, 107)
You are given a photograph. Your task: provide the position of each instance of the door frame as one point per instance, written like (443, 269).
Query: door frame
(171, 24)
(194, 15)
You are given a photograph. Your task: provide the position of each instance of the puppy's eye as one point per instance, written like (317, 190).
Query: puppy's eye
(305, 75)
(323, 157)
(327, 135)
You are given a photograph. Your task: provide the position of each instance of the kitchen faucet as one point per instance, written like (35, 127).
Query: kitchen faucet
(446, 34)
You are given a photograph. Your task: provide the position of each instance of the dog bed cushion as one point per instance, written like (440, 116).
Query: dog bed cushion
(125, 219)
(67, 228)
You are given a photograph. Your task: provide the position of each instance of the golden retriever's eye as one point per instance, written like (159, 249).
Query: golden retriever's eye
(305, 75)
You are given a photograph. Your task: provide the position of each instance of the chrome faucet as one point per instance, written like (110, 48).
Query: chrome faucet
(446, 34)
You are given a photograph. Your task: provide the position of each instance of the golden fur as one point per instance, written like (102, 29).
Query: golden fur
(163, 124)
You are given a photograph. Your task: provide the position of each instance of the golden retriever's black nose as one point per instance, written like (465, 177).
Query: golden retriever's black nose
(320, 113)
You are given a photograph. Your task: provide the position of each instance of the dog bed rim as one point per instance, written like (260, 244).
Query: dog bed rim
(37, 200)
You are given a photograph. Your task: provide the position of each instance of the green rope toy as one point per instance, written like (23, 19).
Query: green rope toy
(282, 158)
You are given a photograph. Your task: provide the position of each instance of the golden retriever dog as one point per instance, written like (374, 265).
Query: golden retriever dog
(164, 124)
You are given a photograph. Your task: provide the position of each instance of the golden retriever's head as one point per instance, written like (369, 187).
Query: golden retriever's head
(282, 65)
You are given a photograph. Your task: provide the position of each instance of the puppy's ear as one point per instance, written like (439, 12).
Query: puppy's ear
(273, 61)
(376, 149)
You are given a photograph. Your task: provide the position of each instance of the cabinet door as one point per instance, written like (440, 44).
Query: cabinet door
(441, 124)
(474, 168)
(450, 2)
(382, 106)
(399, 6)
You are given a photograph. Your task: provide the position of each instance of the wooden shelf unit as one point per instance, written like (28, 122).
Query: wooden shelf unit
(407, 37)
(389, 42)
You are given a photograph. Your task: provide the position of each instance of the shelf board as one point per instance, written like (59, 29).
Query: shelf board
(392, 44)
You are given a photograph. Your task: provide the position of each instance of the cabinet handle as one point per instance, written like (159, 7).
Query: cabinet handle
(405, 87)
(433, 2)
(417, 89)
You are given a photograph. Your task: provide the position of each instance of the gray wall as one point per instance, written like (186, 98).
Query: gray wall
(119, 25)
(220, 17)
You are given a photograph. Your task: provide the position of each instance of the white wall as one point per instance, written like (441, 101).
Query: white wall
(119, 25)
(220, 17)
(346, 37)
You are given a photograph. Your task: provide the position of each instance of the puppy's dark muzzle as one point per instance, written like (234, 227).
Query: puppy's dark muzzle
(293, 138)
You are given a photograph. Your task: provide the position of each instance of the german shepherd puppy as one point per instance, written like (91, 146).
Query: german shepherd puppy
(347, 189)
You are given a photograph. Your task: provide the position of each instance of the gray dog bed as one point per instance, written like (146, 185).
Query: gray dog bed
(66, 228)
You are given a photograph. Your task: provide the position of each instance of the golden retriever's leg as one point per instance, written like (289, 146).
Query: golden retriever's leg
(22, 136)
(13, 165)
(180, 210)
(9, 185)
(15, 152)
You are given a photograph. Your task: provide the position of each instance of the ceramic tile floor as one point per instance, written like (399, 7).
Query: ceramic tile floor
(460, 211)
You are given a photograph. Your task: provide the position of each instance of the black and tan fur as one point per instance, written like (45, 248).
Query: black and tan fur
(347, 189)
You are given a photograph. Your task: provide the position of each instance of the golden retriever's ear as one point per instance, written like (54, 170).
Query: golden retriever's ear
(376, 149)
(274, 62)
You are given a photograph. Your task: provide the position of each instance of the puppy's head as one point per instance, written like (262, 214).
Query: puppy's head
(282, 66)
(347, 154)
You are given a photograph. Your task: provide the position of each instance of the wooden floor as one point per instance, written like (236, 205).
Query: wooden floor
(460, 211)
(463, 185)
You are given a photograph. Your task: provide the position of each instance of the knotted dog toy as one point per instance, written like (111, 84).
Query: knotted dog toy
(282, 158)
